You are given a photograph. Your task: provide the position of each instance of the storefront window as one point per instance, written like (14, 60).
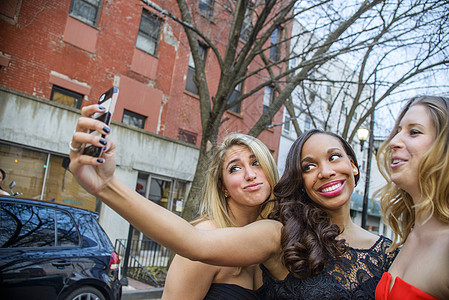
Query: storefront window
(43, 176)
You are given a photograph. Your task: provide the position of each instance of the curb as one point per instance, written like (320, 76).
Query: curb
(155, 293)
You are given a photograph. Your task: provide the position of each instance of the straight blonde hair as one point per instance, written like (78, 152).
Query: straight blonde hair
(214, 206)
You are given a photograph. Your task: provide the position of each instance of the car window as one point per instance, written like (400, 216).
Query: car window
(25, 225)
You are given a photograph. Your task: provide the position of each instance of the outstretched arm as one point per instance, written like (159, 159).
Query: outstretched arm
(234, 246)
(241, 246)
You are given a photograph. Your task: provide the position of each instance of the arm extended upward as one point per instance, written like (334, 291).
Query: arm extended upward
(242, 246)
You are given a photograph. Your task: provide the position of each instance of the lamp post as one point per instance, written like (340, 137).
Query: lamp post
(362, 134)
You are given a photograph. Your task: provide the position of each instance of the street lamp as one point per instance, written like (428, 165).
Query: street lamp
(362, 134)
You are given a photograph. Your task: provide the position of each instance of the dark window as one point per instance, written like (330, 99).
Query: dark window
(67, 97)
(206, 7)
(149, 31)
(247, 23)
(287, 122)
(187, 136)
(87, 11)
(235, 95)
(190, 84)
(133, 119)
(33, 226)
(275, 47)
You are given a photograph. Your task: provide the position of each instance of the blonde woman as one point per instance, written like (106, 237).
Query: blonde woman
(415, 202)
(237, 191)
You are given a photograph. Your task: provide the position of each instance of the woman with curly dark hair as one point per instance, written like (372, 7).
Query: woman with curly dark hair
(327, 255)
(312, 251)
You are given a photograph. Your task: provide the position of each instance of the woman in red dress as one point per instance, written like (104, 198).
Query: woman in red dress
(415, 202)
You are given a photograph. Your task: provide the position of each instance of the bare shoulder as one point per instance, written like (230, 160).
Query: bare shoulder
(271, 226)
(206, 225)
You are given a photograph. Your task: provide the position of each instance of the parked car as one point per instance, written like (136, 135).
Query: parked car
(54, 251)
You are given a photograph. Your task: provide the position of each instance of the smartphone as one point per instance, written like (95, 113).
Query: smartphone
(108, 101)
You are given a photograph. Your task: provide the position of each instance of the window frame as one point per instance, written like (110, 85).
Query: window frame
(132, 114)
(287, 122)
(190, 83)
(153, 37)
(77, 96)
(247, 22)
(236, 93)
(84, 19)
(206, 8)
(275, 47)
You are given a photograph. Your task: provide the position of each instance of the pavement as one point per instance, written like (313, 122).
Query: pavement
(136, 290)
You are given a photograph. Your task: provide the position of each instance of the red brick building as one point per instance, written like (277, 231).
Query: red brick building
(71, 51)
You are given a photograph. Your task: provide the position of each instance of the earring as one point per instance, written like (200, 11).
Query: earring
(226, 194)
(355, 171)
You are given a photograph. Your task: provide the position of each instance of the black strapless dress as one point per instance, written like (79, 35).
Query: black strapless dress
(223, 291)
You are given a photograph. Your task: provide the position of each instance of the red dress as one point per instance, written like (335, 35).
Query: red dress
(400, 290)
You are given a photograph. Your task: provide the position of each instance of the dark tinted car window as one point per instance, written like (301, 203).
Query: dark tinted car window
(34, 226)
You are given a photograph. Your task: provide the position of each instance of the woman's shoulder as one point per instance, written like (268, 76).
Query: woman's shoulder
(206, 225)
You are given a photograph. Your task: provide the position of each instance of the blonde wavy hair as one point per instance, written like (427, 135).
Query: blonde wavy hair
(214, 205)
(398, 208)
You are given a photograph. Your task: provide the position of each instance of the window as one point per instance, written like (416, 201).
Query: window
(167, 192)
(187, 136)
(133, 119)
(149, 31)
(268, 98)
(287, 122)
(293, 62)
(307, 123)
(206, 7)
(47, 177)
(235, 95)
(275, 47)
(190, 84)
(67, 97)
(87, 11)
(247, 23)
(34, 226)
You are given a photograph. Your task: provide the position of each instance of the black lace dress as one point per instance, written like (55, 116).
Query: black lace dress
(351, 276)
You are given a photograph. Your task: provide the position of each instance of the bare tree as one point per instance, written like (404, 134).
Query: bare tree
(403, 54)
(334, 29)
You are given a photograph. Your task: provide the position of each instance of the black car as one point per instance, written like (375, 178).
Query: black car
(53, 251)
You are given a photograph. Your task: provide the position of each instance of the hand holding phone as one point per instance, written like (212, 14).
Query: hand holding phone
(108, 101)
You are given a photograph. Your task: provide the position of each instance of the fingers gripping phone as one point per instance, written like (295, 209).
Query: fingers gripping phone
(107, 100)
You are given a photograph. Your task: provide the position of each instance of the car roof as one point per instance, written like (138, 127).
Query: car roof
(48, 204)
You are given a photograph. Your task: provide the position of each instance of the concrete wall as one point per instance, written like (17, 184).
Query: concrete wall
(46, 126)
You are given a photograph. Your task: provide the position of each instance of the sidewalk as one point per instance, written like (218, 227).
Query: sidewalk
(136, 290)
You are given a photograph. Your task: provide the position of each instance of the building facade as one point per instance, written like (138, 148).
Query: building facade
(59, 56)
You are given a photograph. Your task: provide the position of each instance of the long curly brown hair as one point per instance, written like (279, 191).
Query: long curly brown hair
(308, 238)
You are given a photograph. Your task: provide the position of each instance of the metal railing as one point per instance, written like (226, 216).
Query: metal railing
(144, 257)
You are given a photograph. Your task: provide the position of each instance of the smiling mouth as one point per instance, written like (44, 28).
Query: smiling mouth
(331, 188)
(396, 162)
